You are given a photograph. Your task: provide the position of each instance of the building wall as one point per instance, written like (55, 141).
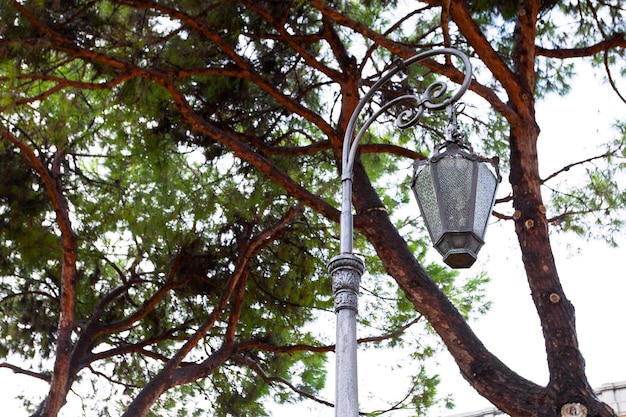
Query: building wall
(615, 396)
(612, 394)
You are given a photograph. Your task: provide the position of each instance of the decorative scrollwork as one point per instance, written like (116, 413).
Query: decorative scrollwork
(430, 100)
(433, 98)
(433, 94)
(411, 116)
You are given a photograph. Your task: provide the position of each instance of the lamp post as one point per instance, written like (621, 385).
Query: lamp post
(455, 190)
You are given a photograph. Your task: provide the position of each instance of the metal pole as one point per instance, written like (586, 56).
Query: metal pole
(346, 269)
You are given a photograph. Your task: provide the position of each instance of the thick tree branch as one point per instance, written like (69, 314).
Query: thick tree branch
(524, 57)
(617, 40)
(61, 380)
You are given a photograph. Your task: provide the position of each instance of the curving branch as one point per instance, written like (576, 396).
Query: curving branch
(617, 40)
(609, 75)
(271, 380)
(575, 164)
(16, 369)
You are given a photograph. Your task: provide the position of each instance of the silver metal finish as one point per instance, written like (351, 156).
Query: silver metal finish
(347, 269)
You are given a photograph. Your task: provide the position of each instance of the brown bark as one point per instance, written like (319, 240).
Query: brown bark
(568, 382)
(51, 178)
(617, 40)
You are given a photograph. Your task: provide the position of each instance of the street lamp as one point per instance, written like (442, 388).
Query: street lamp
(455, 190)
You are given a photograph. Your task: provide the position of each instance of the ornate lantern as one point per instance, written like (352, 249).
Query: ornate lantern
(456, 190)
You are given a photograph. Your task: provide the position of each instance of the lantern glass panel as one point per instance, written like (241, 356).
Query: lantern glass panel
(455, 176)
(424, 189)
(485, 195)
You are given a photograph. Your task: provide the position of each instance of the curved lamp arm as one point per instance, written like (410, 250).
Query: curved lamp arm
(429, 100)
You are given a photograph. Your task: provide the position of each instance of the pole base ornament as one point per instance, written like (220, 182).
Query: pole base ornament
(346, 271)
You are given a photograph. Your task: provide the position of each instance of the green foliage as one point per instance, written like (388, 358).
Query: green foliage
(165, 209)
